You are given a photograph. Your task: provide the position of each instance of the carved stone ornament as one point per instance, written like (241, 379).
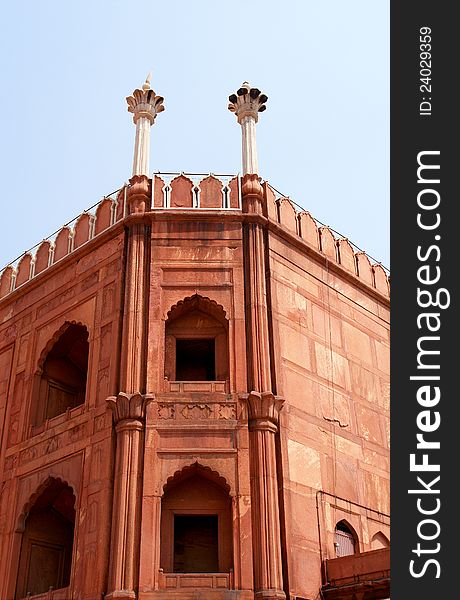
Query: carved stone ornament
(263, 410)
(250, 186)
(145, 103)
(128, 406)
(247, 102)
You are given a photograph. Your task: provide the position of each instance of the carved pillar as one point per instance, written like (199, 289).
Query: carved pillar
(129, 415)
(263, 412)
(129, 406)
(263, 405)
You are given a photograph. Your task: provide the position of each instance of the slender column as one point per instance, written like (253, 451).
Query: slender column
(263, 412)
(263, 405)
(145, 105)
(129, 405)
(246, 104)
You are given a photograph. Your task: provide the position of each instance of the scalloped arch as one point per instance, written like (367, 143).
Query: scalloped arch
(48, 480)
(197, 301)
(199, 469)
(54, 338)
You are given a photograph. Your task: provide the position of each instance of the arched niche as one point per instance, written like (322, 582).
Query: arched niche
(196, 523)
(60, 381)
(196, 341)
(47, 530)
(379, 540)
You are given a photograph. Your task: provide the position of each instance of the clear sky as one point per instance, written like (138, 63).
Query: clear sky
(67, 138)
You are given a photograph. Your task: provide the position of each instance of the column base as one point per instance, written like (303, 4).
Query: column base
(269, 595)
(121, 595)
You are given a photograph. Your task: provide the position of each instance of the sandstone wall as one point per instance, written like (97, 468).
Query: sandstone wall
(75, 447)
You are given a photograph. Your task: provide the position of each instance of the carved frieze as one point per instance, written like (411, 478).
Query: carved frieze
(196, 411)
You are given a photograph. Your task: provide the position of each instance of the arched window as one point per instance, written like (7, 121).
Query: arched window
(46, 549)
(196, 524)
(345, 541)
(61, 383)
(196, 344)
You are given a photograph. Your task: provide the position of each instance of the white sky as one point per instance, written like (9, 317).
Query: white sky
(67, 138)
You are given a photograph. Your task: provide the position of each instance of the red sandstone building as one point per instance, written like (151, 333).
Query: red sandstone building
(194, 397)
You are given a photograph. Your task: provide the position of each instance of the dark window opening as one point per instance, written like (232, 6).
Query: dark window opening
(195, 360)
(46, 549)
(63, 379)
(196, 544)
(344, 540)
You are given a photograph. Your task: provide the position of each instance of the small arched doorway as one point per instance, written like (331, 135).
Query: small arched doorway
(45, 559)
(196, 523)
(345, 539)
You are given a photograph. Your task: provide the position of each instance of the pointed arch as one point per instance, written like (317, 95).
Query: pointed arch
(46, 525)
(379, 540)
(346, 540)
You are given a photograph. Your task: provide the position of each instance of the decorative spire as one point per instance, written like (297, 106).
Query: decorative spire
(247, 103)
(145, 105)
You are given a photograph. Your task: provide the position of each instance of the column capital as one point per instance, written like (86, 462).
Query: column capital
(145, 103)
(129, 406)
(263, 410)
(247, 102)
(139, 194)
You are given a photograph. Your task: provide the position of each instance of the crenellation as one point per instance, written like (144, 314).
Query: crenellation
(158, 185)
(308, 229)
(270, 199)
(61, 244)
(287, 214)
(364, 268)
(328, 243)
(6, 279)
(85, 227)
(234, 185)
(120, 205)
(104, 215)
(324, 239)
(347, 255)
(211, 192)
(81, 233)
(381, 279)
(23, 270)
(181, 192)
(42, 257)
